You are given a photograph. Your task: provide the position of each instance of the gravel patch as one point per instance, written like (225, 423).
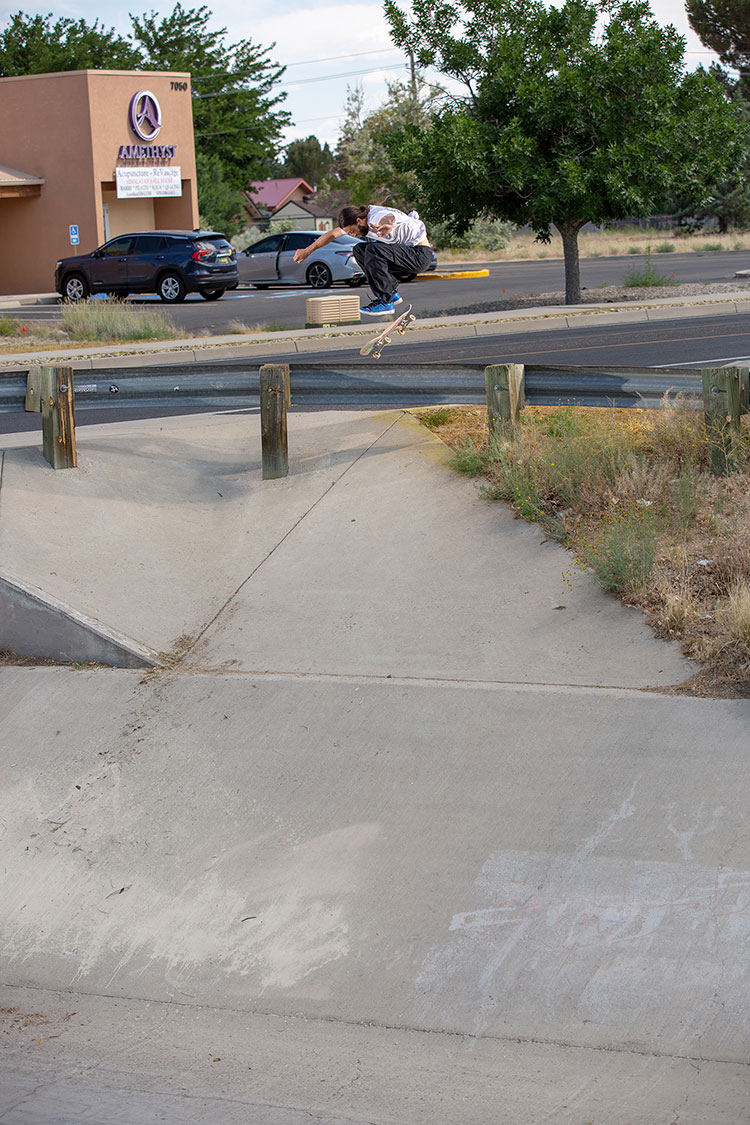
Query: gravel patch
(610, 295)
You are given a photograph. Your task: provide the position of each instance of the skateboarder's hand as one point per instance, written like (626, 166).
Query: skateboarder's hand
(300, 255)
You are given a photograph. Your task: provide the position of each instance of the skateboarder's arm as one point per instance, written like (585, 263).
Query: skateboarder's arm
(325, 238)
(385, 226)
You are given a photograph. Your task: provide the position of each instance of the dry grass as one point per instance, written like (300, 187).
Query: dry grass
(629, 494)
(602, 244)
(114, 321)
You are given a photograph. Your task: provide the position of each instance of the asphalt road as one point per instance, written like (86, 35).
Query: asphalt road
(285, 308)
(692, 342)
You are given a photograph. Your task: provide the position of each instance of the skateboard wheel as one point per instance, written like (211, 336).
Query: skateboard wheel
(411, 318)
(400, 331)
(387, 340)
(376, 355)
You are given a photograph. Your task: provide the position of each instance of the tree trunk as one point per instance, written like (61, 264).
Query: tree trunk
(569, 234)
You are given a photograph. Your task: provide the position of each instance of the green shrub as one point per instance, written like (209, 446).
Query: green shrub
(8, 326)
(469, 459)
(646, 278)
(484, 234)
(440, 417)
(664, 248)
(622, 555)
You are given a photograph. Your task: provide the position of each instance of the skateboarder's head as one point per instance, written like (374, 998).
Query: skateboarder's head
(354, 220)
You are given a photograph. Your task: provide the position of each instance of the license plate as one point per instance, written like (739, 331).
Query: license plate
(223, 261)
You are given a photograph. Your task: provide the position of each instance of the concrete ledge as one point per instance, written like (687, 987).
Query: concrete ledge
(161, 359)
(34, 624)
(588, 320)
(675, 312)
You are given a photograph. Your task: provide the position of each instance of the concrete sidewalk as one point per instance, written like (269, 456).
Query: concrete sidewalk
(402, 839)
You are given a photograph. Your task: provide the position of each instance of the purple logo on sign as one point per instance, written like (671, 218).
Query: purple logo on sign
(145, 115)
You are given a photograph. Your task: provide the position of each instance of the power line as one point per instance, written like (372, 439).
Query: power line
(335, 58)
(331, 77)
(308, 62)
(305, 81)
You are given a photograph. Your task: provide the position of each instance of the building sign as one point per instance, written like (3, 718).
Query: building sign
(145, 115)
(149, 182)
(146, 152)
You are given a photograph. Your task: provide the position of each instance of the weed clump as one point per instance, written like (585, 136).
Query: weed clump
(630, 494)
(111, 321)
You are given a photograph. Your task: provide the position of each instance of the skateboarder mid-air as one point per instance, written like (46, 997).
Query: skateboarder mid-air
(394, 241)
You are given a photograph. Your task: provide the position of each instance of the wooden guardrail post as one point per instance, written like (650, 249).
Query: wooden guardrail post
(274, 396)
(33, 401)
(58, 417)
(724, 401)
(504, 383)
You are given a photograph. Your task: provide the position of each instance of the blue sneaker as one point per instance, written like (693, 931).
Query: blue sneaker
(397, 299)
(378, 308)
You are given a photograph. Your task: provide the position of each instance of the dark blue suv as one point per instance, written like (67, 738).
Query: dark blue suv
(168, 262)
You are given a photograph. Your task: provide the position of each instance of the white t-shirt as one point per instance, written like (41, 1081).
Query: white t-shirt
(408, 230)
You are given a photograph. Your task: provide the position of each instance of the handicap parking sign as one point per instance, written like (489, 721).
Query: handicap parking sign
(74, 239)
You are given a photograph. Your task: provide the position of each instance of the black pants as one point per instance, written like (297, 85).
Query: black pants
(379, 260)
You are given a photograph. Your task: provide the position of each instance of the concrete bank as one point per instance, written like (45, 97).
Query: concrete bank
(301, 341)
(401, 837)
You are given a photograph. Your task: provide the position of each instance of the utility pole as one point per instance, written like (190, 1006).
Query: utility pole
(413, 68)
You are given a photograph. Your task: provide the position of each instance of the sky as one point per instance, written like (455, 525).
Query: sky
(325, 47)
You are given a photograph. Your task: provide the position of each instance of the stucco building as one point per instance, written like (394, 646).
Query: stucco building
(87, 155)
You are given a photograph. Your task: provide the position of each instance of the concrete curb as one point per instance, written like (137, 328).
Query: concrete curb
(304, 341)
(38, 625)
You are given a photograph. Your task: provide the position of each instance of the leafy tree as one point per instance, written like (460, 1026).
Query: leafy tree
(36, 45)
(575, 114)
(729, 200)
(363, 162)
(220, 205)
(308, 160)
(724, 26)
(235, 110)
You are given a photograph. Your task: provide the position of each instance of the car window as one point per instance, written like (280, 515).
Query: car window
(298, 240)
(117, 246)
(266, 245)
(148, 244)
(217, 241)
(172, 243)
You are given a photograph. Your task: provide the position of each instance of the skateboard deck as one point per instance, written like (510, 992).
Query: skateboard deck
(376, 345)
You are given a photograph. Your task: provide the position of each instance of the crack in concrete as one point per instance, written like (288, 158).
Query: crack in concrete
(285, 536)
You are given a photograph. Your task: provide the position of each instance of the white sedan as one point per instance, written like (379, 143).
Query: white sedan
(271, 261)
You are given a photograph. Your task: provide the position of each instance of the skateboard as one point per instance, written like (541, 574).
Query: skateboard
(376, 345)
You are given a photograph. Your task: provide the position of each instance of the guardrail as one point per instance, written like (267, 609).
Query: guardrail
(506, 388)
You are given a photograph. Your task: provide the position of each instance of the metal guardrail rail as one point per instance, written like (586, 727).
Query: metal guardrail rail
(321, 382)
(724, 394)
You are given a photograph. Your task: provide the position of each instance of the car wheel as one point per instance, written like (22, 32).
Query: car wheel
(319, 276)
(76, 288)
(171, 288)
(212, 294)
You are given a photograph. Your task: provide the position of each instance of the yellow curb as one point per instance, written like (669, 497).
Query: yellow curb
(449, 276)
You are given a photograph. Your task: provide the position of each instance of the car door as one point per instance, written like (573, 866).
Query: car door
(260, 260)
(146, 257)
(109, 265)
(291, 272)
